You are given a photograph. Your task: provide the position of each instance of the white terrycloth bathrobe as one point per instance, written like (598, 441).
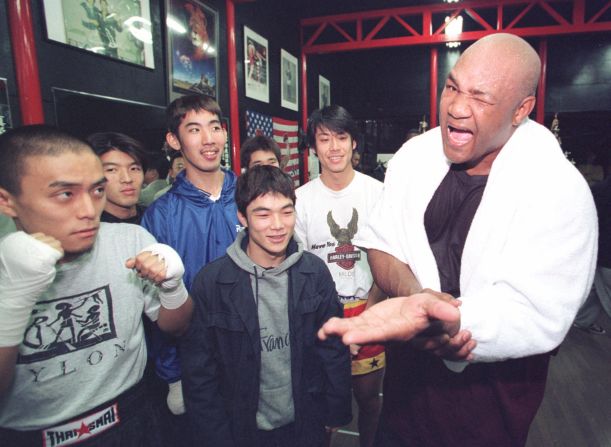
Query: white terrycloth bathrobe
(529, 258)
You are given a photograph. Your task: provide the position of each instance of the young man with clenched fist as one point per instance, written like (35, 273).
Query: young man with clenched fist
(72, 294)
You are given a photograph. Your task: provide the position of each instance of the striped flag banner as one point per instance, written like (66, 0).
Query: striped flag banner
(284, 132)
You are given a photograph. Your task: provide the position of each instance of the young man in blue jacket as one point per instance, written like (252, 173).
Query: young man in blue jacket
(198, 215)
(254, 372)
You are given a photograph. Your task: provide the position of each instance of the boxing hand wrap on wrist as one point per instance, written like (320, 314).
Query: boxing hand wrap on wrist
(27, 268)
(172, 291)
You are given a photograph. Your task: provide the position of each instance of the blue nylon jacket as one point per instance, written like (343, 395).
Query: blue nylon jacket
(200, 230)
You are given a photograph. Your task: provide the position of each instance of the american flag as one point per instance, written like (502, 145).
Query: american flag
(284, 132)
(258, 124)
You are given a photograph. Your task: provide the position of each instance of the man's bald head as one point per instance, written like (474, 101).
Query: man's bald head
(512, 56)
(488, 95)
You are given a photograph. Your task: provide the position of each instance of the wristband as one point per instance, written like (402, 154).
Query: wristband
(27, 268)
(172, 290)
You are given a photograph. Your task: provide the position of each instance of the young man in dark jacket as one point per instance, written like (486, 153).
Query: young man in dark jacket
(254, 373)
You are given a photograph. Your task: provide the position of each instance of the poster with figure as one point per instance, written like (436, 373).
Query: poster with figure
(6, 122)
(256, 67)
(120, 29)
(289, 81)
(192, 33)
(324, 92)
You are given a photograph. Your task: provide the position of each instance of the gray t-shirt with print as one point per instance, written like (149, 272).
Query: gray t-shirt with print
(84, 343)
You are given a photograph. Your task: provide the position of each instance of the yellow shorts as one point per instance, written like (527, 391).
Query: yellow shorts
(370, 357)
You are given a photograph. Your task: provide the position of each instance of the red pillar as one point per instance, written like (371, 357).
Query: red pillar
(433, 82)
(304, 111)
(232, 72)
(26, 63)
(540, 114)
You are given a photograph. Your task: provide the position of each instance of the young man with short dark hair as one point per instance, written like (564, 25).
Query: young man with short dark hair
(72, 295)
(198, 215)
(331, 211)
(254, 373)
(155, 178)
(259, 150)
(177, 165)
(124, 161)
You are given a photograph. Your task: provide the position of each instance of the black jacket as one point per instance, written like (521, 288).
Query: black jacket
(221, 356)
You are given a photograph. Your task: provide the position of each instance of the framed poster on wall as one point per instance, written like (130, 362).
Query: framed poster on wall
(6, 121)
(256, 67)
(324, 92)
(119, 29)
(289, 81)
(193, 36)
(226, 159)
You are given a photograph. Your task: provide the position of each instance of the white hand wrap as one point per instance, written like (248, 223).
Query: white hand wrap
(27, 268)
(172, 291)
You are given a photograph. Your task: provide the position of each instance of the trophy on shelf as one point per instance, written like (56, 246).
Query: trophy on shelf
(423, 125)
(555, 128)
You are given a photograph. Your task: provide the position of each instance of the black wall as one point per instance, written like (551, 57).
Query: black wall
(280, 26)
(67, 68)
(388, 84)
(391, 87)
(6, 64)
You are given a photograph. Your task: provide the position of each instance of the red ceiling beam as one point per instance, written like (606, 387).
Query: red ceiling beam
(379, 19)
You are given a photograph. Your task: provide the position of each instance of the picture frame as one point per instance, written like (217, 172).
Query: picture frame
(227, 159)
(256, 66)
(118, 29)
(289, 81)
(6, 121)
(192, 48)
(324, 92)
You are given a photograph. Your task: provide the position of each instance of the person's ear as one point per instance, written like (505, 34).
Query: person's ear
(353, 144)
(521, 113)
(172, 141)
(242, 219)
(7, 203)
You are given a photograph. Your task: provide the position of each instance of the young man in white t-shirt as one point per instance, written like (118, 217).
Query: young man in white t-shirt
(330, 211)
(72, 295)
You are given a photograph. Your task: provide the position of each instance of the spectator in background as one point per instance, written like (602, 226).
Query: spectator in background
(600, 295)
(124, 161)
(411, 134)
(259, 150)
(177, 164)
(155, 178)
(356, 160)
(6, 225)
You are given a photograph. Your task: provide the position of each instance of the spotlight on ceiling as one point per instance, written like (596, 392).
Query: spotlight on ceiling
(453, 30)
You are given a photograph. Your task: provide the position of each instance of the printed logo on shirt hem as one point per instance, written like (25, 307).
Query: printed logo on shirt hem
(82, 429)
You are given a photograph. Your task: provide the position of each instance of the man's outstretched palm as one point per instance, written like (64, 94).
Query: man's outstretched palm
(398, 319)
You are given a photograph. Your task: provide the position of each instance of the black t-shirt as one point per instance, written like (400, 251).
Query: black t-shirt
(488, 403)
(110, 218)
(447, 221)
